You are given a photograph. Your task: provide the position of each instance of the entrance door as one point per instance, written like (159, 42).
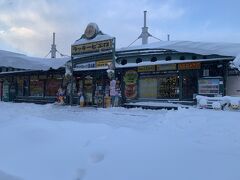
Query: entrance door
(189, 85)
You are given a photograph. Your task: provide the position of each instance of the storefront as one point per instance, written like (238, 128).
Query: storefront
(158, 82)
(151, 82)
(93, 85)
(181, 81)
(92, 56)
(32, 86)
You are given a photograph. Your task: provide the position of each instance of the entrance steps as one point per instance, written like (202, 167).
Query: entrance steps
(159, 104)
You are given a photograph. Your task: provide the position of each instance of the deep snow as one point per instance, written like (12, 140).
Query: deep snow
(47, 142)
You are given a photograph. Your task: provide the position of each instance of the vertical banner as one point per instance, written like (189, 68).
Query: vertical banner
(130, 80)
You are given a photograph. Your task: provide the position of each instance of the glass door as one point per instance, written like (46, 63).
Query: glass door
(189, 85)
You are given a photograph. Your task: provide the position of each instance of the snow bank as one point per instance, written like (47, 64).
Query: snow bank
(215, 102)
(21, 61)
(60, 142)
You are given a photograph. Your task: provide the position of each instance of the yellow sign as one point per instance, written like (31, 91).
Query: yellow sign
(185, 66)
(166, 67)
(92, 47)
(146, 68)
(103, 63)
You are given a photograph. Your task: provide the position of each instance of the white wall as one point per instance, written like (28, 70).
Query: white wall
(233, 86)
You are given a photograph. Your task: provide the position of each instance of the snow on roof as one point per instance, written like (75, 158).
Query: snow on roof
(21, 61)
(99, 37)
(204, 48)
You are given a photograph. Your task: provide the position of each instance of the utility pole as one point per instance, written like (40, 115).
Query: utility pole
(53, 48)
(145, 34)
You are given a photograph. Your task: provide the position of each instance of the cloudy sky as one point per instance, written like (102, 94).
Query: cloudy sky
(26, 26)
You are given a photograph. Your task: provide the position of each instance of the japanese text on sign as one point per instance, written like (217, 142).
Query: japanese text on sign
(92, 47)
(185, 66)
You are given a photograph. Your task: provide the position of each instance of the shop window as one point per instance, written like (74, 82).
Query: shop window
(138, 60)
(206, 72)
(148, 87)
(182, 57)
(194, 57)
(168, 58)
(124, 62)
(52, 86)
(168, 87)
(36, 86)
(20, 83)
(153, 59)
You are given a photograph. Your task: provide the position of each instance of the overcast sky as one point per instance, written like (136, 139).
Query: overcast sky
(26, 26)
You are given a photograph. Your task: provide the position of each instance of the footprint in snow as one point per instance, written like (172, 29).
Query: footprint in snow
(86, 144)
(96, 157)
(81, 173)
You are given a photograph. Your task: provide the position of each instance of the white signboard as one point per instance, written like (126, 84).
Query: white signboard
(208, 86)
(85, 65)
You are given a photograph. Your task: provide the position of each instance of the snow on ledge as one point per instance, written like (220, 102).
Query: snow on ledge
(236, 62)
(21, 61)
(203, 48)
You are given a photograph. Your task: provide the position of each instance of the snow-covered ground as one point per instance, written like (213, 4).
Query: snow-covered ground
(47, 142)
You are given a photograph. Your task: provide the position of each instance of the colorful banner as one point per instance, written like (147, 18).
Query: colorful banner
(130, 80)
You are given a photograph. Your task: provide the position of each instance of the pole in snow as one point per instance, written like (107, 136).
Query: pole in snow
(53, 48)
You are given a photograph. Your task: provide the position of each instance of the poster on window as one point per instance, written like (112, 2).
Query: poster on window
(130, 80)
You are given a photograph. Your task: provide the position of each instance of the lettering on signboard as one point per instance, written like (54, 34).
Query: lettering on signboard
(85, 65)
(166, 67)
(185, 66)
(92, 47)
(103, 63)
(146, 68)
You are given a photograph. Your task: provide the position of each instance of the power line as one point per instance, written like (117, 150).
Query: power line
(47, 54)
(134, 41)
(156, 38)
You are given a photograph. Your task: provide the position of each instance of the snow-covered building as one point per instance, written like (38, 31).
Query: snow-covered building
(179, 70)
(30, 79)
(166, 70)
(92, 55)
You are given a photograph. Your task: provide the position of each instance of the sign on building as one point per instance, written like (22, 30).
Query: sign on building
(98, 46)
(185, 66)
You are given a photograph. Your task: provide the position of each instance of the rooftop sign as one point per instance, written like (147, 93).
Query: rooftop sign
(92, 41)
(98, 46)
